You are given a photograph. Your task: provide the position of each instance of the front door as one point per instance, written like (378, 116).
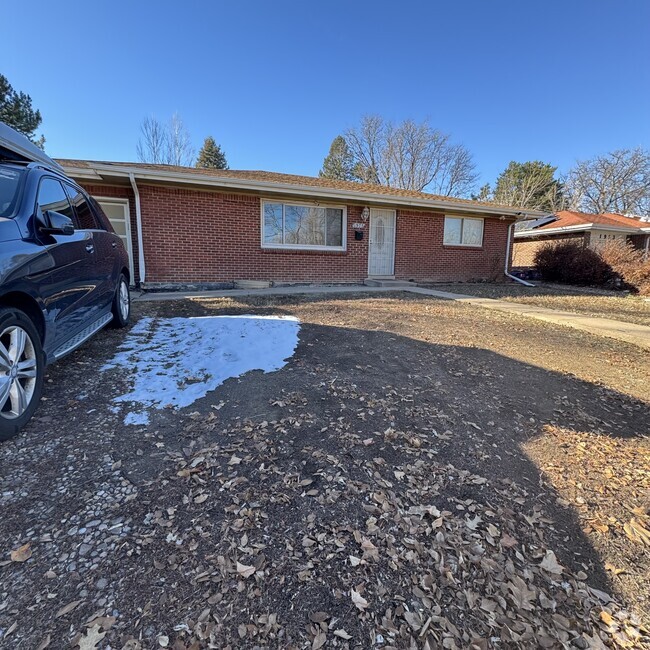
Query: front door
(381, 250)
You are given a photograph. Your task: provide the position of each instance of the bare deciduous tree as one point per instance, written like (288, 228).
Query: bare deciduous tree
(152, 145)
(165, 144)
(411, 156)
(616, 182)
(179, 144)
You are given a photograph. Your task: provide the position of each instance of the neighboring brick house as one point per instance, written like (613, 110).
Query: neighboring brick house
(592, 230)
(209, 228)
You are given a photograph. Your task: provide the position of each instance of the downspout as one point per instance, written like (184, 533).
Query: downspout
(138, 222)
(505, 271)
(646, 254)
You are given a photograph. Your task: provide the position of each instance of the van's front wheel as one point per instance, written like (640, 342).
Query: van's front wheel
(22, 364)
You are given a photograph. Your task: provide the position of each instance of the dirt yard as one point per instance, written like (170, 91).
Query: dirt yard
(421, 474)
(627, 308)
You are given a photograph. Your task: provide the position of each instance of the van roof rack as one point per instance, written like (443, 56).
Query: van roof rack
(17, 148)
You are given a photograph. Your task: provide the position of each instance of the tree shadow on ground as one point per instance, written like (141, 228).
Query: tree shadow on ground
(488, 404)
(366, 402)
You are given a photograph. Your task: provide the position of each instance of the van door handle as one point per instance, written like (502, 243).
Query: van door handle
(90, 248)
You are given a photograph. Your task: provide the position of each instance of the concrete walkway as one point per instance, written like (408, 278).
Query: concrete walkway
(615, 329)
(627, 332)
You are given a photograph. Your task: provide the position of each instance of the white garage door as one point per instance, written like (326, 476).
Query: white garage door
(117, 211)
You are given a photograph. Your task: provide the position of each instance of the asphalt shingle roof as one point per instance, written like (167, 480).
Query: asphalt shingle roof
(283, 179)
(566, 218)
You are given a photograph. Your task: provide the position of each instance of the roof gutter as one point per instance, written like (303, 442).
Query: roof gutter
(507, 264)
(583, 227)
(138, 222)
(302, 190)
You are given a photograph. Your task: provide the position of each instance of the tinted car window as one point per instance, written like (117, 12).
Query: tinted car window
(52, 197)
(100, 215)
(10, 186)
(85, 216)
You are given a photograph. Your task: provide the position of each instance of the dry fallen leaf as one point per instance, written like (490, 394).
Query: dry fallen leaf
(235, 460)
(91, 639)
(550, 564)
(508, 541)
(359, 601)
(68, 608)
(473, 523)
(610, 567)
(637, 532)
(319, 640)
(22, 554)
(245, 570)
(343, 634)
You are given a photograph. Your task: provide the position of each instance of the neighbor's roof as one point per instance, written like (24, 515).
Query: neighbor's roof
(273, 181)
(577, 221)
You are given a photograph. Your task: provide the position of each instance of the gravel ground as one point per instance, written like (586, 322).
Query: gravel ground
(627, 308)
(421, 474)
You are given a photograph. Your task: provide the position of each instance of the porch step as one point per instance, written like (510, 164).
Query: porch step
(396, 284)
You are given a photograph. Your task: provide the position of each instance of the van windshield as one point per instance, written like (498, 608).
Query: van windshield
(10, 186)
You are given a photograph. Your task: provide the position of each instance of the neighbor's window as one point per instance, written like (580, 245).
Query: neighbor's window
(293, 225)
(462, 231)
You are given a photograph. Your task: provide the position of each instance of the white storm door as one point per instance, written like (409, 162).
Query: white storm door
(117, 211)
(381, 246)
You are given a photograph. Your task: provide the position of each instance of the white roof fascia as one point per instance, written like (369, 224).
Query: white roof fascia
(578, 228)
(99, 171)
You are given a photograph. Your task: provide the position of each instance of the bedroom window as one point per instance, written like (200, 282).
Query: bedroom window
(463, 231)
(294, 225)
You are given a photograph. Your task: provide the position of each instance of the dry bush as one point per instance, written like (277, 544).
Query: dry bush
(571, 263)
(628, 264)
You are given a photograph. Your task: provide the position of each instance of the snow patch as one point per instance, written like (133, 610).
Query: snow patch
(175, 361)
(141, 418)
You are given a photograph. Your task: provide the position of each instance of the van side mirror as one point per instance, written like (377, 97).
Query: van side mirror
(59, 224)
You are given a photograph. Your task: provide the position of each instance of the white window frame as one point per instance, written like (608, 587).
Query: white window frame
(462, 227)
(305, 247)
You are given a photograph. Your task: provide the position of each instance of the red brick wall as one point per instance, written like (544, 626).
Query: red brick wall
(193, 236)
(207, 237)
(523, 250)
(421, 255)
(116, 192)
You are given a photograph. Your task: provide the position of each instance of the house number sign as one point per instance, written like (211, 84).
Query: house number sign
(358, 226)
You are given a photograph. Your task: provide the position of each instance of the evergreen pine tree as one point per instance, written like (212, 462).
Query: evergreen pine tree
(211, 156)
(339, 162)
(529, 185)
(16, 111)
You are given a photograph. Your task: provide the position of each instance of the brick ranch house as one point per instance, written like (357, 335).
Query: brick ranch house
(589, 230)
(187, 227)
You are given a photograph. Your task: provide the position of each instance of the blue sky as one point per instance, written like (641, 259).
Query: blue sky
(275, 81)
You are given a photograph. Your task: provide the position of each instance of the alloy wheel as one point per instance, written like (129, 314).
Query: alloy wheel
(124, 300)
(18, 371)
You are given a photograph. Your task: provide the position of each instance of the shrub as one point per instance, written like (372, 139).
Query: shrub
(628, 265)
(571, 263)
